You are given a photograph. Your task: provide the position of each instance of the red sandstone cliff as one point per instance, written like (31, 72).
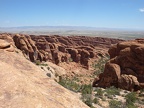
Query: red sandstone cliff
(56, 49)
(125, 69)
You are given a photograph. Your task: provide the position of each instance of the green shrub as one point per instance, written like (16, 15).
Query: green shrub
(88, 101)
(95, 101)
(99, 65)
(130, 106)
(70, 84)
(115, 104)
(130, 99)
(110, 96)
(86, 91)
(37, 62)
(44, 64)
(99, 92)
(112, 91)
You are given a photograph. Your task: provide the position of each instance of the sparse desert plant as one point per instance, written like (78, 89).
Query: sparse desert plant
(112, 91)
(99, 65)
(130, 106)
(76, 79)
(86, 91)
(44, 64)
(69, 84)
(70, 60)
(115, 104)
(130, 100)
(37, 62)
(110, 96)
(95, 101)
(99, 92)
(88, 101)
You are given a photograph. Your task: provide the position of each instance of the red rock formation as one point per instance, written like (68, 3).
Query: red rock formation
(26, 45)
(4, 45)
(79, 49)
(125, 69)
(6, 42)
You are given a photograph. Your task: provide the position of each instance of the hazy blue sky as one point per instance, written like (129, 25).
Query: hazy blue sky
(92, 13)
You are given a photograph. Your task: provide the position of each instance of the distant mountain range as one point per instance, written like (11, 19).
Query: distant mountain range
(65, 28)
(76, 30)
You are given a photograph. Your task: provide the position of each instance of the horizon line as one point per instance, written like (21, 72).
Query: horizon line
(110, 28)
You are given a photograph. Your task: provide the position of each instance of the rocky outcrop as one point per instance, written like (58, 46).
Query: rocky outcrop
(125, 69)
(57, 49)
(79, 49)
(26, 45)
(4, 45)
(25, 85)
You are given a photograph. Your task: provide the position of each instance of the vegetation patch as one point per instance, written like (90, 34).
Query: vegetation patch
(112, 91)
(99, 65)
(130, 100)
(99, 93)
(70, 84)
(115, 104)
(38, 62)
(113, 97)
(85, 90)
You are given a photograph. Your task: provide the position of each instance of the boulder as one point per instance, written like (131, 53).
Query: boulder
(109, 77)
(125, 69)
(128, 82)
(6, 46)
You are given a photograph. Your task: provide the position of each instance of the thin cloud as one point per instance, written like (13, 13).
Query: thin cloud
(141, 10)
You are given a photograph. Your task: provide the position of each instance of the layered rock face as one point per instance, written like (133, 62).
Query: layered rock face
(57, 49)
(125, 69)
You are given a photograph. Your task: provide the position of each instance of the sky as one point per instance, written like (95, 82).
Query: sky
(89, 13)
